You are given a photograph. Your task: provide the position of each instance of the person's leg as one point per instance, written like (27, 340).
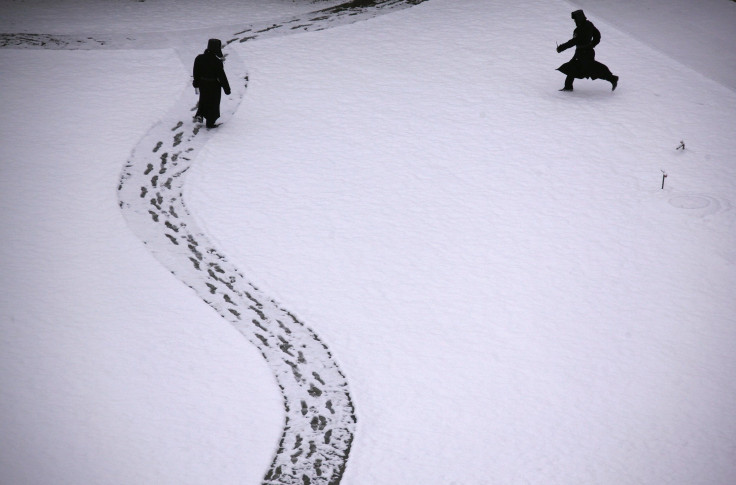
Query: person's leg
(199, 115)
(611, 79)
(601, 71)
(614, 82)
(568, 83)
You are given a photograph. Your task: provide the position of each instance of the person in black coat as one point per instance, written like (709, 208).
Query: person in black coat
(583, 63)
(209, 79)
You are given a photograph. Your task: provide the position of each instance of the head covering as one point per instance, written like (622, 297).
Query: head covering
(578, 15)
(215, 46)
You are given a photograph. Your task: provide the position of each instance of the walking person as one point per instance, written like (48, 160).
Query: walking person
(210, 80)
(583, 64)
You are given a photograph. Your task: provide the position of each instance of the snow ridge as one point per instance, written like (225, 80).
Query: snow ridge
(320, 416)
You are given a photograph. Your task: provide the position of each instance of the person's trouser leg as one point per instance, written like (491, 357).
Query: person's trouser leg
(568, 83)
(614, 81)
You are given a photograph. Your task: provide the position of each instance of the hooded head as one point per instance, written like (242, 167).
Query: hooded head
(215, 46)
(578, 16)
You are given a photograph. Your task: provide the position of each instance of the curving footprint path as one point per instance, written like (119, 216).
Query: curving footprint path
(320, 416)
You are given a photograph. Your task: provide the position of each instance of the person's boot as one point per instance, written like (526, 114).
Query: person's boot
(568, 84)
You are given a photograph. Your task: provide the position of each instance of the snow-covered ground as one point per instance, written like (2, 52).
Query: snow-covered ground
(696, 35)
(135, 16)
(512, 296)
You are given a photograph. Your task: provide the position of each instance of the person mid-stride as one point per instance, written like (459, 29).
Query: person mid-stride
(209, 78)
(583, 64)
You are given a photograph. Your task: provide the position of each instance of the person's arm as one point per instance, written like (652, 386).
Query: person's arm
(595, 35)
(223, 81)
(566, 45)
(196, 72)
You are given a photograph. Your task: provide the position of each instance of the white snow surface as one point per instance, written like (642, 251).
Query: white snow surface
(510, 292)
(136, 16)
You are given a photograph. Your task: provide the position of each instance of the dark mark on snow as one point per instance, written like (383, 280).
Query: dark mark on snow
(274, 26)
(320, 417)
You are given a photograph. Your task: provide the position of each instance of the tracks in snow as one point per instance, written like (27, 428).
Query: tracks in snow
(320, 417)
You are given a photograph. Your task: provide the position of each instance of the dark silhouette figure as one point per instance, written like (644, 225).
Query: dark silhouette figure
(210, 79)
(583, 63)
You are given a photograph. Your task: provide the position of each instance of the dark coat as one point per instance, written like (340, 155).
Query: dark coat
(583, 64)
(209, 77)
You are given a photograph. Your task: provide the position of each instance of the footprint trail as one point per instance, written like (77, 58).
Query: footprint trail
(320, 417)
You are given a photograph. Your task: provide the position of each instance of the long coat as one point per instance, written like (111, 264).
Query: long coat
(583, 64)
(209, 76)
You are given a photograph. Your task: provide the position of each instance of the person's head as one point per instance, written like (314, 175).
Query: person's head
(578, 16)
(215, 47)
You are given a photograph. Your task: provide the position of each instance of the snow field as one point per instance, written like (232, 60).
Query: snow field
(112, 372)
(136, 16)
(503, 252)
(511, 295)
